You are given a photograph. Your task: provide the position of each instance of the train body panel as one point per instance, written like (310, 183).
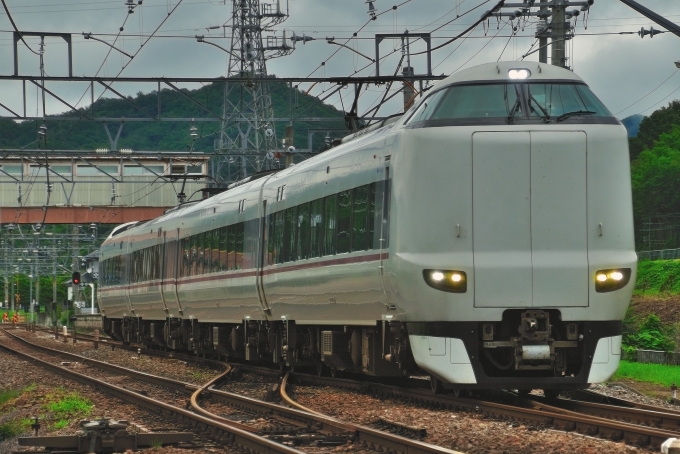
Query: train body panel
(485, 237)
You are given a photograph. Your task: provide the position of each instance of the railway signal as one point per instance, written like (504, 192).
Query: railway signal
(75, 278)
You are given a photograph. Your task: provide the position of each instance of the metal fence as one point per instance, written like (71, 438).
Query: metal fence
(662, 254)
(654, 357)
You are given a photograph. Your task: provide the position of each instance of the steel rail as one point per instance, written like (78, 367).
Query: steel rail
(642, 433)
(643, 417)
(366, 436)
(289, 401)
(544, 417)
(220, 432)
(591, 396)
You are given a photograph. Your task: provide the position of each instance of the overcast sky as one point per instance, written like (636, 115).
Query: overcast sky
(621, 69)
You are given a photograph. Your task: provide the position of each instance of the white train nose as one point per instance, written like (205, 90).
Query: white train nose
(529, 217)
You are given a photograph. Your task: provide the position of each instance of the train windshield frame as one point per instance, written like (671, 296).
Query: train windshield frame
(509, 103)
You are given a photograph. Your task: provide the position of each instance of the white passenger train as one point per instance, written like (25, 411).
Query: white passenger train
(485, 237)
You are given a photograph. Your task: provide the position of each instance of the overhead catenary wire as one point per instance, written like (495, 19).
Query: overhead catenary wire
(649, 93)
(14, 25)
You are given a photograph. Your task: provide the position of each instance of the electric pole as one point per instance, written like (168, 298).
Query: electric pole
(559, 35)
(248, 131)
(542, 34)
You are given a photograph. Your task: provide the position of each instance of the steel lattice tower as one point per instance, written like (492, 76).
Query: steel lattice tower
(248, 131)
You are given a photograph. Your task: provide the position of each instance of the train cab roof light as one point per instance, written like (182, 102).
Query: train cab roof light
(446, 280)
(519, 74)
(610, 280)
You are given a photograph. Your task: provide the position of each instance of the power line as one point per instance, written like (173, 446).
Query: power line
(9, 16)
(657, 87)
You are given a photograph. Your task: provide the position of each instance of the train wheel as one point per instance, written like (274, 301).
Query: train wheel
(436, 385)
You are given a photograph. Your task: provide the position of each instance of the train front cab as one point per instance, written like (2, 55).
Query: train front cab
(526, 191)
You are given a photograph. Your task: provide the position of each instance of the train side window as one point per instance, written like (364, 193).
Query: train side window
(200, 247)
(289, 234)
(207, 256)
(215, 251)
(194, 255)
(344, 221)
(359, 216)
(271, 258)
(371, 217)
(330, 223)
(186, 256)
(316, 228)
(239, 246)
(223, 248)
(302, 249)
(278, 243)
(231, 247)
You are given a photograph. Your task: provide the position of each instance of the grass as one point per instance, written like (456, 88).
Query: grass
(8, 394)
(65, 407)
(660, 374)
(658, 277)
(69, 406)
(13, 428)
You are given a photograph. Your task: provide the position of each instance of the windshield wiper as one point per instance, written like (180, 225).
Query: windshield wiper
(515, 107)
(546, 115)
(564, 116)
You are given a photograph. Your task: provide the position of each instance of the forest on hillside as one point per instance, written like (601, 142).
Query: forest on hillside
(163, 135)
(655, 175)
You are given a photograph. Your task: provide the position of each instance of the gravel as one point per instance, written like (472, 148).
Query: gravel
(19, 374)
(470, 433)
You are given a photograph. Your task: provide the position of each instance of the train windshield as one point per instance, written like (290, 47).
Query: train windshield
(563, 99)
(471, 101)
(508, 101)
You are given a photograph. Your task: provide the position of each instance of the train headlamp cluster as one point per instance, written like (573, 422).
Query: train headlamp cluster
(610, 280)
(519, 74)
(446, 280)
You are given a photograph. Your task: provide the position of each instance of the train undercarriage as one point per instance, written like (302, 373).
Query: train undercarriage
(382, 350)
(527, 349)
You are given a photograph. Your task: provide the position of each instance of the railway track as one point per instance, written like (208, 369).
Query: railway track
(616, 420)
(633, 426)
(339, 432)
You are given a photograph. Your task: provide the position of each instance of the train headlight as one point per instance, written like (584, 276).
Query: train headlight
(610, 280)
(448, 281)
(519, 73)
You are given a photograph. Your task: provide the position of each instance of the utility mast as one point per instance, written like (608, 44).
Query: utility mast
(553, 24)
(248, 131)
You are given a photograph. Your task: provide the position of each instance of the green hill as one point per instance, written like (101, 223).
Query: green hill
(164, 135)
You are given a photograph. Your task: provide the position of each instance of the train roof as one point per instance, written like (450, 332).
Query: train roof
(500, 71)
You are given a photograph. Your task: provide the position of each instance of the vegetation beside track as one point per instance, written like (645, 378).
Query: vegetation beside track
(659, 374)
(57, 406)
(658, 277)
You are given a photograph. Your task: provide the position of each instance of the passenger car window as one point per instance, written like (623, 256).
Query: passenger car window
(344, 221)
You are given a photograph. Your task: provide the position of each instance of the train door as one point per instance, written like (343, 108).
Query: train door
(179, 256)
(384, 238)
(128, 274)
(163, 268)
(261, 251)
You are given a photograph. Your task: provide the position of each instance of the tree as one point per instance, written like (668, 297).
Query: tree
(656, 177)
(653, 126)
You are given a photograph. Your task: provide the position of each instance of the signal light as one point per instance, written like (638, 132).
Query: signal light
(75, 278)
